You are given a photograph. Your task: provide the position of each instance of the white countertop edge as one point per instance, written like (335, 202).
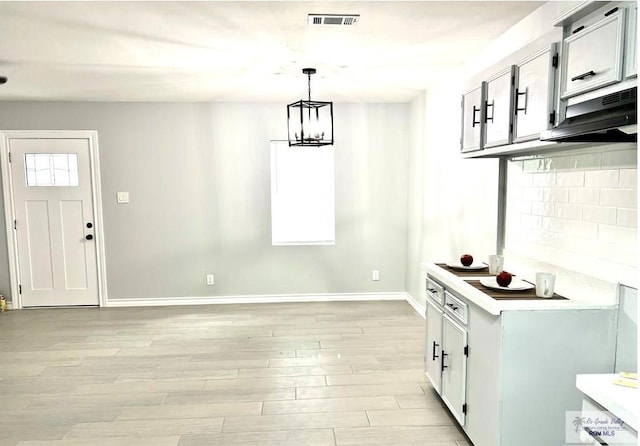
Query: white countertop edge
(494, 306)
(623, 402)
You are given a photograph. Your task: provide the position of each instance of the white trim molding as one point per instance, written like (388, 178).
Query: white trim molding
(420, 308)
(252, 299)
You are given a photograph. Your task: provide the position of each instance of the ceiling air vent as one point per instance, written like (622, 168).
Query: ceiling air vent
(334, 19)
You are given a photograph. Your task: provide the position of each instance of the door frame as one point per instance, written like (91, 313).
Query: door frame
(9, 205)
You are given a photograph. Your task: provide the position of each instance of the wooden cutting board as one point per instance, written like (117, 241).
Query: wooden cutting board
(523, 294)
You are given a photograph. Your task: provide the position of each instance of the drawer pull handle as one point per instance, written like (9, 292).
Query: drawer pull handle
(583, 76)
(433, 353)
(432, 290)
(611, 12)
(453, 307)
(577, 30)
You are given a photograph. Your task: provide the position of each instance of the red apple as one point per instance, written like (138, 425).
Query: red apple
(466, 259)
(503, 278)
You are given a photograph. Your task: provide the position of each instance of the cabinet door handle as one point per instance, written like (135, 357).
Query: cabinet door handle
(442, 366)
(475, 110)
(433, 352)
(493, 111)
(526, 100)
(583, 76)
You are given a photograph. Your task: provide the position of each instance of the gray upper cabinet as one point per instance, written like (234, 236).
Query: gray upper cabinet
(499, 108)
(534, 95)
(631, 49)
(472, 118)
(592, 53)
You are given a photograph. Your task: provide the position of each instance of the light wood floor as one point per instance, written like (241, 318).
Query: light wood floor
(311, 374)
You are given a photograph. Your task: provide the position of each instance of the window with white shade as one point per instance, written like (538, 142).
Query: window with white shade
(302, 195)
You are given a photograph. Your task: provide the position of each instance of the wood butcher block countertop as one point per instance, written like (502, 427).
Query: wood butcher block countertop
(467, 285)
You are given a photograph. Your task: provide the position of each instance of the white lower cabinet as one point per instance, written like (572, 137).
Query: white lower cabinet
(454, 367)
(446, 361)
(509, 379)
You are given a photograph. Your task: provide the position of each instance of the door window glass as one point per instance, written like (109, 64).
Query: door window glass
(51, 169)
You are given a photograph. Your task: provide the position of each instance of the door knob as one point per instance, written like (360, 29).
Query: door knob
(89, 237)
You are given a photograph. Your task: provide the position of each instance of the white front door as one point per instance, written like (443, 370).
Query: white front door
(54, 221)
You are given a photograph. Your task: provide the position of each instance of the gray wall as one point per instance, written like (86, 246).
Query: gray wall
(199, 182)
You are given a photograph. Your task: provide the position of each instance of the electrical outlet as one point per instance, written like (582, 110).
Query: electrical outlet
(375, 275)
(210, 280)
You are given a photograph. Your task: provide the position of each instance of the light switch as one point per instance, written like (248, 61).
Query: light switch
(123, 197)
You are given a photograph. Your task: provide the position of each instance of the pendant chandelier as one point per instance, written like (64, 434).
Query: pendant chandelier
(310, 123)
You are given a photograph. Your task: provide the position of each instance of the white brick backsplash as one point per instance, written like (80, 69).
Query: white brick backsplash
(542, 208)
(584, 195)
(577, 211)
(520, 206)
(617, 235)
(570, 179)
(628, 218)
(560, 163)
(530, 221)
(622, 158)
(622, 198)
(556, 194)
(599, 214)
(580, 229)
(568, 211)
(586, 161)
(628, 178)
(532, 193)
(536, 165)
(518, 179)
(544, 179)
(601, 178)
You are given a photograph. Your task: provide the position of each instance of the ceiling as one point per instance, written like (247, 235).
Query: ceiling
(240, 50)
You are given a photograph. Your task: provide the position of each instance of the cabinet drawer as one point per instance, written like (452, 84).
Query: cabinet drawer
(455, 307)
(435, 291)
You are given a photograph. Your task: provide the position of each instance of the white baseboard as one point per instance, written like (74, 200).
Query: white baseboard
(253, 299)
(420, 309)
